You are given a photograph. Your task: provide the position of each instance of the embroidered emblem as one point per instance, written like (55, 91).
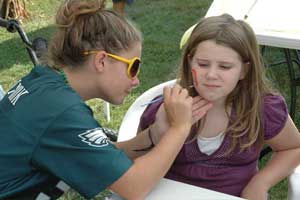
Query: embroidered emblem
(94, 137)
(15, 94)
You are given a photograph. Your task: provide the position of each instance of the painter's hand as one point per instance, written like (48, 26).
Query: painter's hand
(199, 108)
(178, 106)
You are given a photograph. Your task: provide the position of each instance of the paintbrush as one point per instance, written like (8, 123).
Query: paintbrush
(158, 99)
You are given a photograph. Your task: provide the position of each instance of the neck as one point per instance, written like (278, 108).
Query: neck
(79, 82)
(219, 104)
(220, 107)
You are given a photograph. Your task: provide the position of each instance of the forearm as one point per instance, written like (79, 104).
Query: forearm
(160, 158)
(278, 167)
(138, 145)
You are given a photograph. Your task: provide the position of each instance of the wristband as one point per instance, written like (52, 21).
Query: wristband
(151, 140)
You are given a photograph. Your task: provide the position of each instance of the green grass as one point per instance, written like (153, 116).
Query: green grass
(162, 23)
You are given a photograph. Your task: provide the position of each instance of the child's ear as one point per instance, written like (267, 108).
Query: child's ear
(99, 61)
(245, 70)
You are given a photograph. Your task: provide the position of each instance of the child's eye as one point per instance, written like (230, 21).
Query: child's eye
(225, 66)
(202, 65)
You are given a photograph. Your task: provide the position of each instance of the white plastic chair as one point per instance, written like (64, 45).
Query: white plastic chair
(294, 185)
(107, 111)
(129, 126)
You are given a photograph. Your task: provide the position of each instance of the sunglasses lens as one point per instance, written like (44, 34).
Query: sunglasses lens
(134, 70)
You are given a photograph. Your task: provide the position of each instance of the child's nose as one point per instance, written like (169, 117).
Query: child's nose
(212, 73)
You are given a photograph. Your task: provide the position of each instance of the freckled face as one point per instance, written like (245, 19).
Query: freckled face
(216, 70)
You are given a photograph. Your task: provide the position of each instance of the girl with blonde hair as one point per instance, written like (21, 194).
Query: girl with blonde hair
(221, 59)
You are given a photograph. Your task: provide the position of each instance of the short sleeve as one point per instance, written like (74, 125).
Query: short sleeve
(76, 150)
(148, 116)
(275, 114)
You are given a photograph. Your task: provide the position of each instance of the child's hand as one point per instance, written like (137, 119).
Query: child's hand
(200, 108)
(161, 124)
(255, 191)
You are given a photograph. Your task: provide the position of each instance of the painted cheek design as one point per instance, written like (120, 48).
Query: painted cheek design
(194, 72)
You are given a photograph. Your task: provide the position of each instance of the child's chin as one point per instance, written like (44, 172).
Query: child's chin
(210, 98)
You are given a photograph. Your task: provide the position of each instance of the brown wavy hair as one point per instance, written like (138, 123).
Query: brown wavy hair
(86, 25)
(248, 94)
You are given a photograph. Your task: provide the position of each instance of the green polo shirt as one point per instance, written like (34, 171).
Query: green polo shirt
(47, 132)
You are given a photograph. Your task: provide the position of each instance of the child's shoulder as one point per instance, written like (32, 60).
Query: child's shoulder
(275, 113)
(274, 103)
(271, 99)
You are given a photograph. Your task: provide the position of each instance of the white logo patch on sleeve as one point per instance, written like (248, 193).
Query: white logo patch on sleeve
(15, 94)
(94, 137)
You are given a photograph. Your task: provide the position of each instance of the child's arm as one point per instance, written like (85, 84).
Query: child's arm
(286, 156)
(138, 146)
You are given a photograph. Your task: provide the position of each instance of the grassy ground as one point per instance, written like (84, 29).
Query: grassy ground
(162, 23)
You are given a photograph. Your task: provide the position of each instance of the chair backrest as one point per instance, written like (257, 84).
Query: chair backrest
(131, 120)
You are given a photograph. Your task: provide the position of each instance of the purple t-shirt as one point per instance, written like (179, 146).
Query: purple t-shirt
(231, 173)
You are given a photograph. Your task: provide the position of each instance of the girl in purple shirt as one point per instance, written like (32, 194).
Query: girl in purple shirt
(221, 60)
